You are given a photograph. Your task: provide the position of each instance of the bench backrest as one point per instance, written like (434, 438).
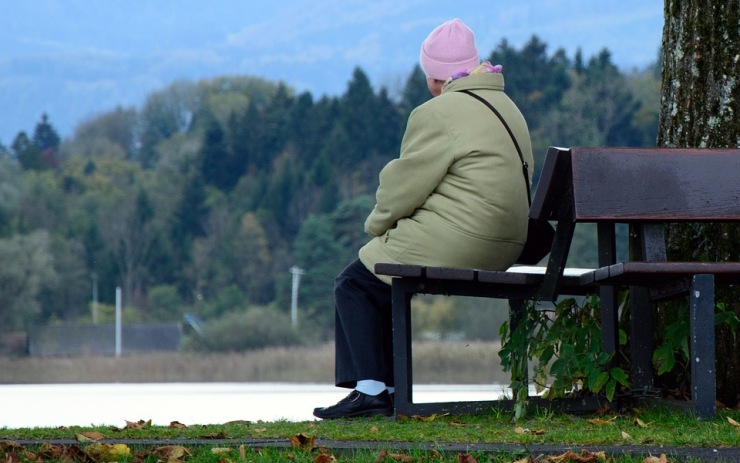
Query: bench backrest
(632, 185)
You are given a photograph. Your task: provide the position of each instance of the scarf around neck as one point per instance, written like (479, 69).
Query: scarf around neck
(483, 68)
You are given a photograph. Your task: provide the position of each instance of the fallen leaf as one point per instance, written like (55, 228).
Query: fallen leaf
(626, 436)
(76, 454)
(431, 417)
(325, 458)
(176, 425)
(171, 453)
(652, 459)
(214, 435)
(303, 442)
(600, 422)
(259, 430)
(374, 430)
(221, 450)
(108, 452)
(403, 458)
(141, 424)
(537, 432)
(11, 457)
(585, 457)
(733, 422)
(50, 452)
(640, 423)
(90, 436)
(456, 423)
(10, 445)
(519, 430)
(466, 458)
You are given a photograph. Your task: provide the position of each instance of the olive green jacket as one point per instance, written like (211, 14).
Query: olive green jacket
(456, 195)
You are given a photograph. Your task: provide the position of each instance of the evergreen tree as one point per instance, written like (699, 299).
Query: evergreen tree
(26, 152)
(534, 81)
(357, 112)
(415, 92)
(45, 136)
(218, 164)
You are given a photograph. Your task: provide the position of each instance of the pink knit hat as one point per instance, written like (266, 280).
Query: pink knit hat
(449, 49)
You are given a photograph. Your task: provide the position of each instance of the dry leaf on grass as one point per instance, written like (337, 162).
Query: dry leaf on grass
(176, 425)
(12, 446)
(466, 458)
(640, 423)
(535, 432)
(171, 453)
(652, 459)
(626, 436)
(325, 458)
(303, 442)
(733, 422)
(90, 436)
(600, 422)
(141, 424)
(108, 452)
(221, 450)
(584, 457)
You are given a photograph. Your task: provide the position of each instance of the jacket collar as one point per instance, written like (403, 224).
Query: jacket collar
(490, 81)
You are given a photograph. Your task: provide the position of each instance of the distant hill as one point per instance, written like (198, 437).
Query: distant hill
(73, 59)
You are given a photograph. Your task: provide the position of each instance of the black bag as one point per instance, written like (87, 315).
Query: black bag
(540, 233)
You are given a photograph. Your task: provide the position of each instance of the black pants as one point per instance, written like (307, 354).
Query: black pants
(363, 330)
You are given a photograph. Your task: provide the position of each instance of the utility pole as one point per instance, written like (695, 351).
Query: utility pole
(297, 272)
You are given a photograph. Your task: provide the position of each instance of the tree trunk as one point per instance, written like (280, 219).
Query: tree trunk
(700, 107)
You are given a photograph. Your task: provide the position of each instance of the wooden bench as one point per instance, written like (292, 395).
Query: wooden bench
(645, 188)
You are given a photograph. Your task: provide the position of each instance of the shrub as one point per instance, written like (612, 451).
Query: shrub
(255, 328)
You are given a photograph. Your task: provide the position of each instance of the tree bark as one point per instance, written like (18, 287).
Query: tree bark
(700, 108)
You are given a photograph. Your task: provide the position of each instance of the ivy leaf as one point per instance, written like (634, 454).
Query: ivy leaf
(620, 375)
(663, 359)
(597, 380)
(611, 388)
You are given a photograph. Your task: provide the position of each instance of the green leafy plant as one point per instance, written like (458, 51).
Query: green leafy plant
(673, 349)
(566, 341)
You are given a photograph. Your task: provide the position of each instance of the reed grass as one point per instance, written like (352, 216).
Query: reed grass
(441, 362)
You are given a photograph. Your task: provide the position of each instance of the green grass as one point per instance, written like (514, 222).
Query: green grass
(647, 427)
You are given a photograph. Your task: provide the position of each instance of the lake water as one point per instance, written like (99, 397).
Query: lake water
(53, 405)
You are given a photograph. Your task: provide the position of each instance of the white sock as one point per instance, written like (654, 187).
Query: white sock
(370, 386)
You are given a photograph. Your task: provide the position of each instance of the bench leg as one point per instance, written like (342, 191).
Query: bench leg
(703, 373)
(641, 339)
(402, 359)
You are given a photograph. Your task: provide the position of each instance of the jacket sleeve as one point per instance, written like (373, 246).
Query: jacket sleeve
(406, 182)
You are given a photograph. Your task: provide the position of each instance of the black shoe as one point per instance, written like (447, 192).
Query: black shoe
(357, 404)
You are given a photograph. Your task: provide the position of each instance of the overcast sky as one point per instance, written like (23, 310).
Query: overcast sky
(77, 58)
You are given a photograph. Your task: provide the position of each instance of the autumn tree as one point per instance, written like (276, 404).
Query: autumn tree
(699, 108)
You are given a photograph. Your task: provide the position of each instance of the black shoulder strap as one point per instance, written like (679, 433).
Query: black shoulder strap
(525, 166)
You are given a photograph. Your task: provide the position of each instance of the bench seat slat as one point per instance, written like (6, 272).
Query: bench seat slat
(646, 273)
